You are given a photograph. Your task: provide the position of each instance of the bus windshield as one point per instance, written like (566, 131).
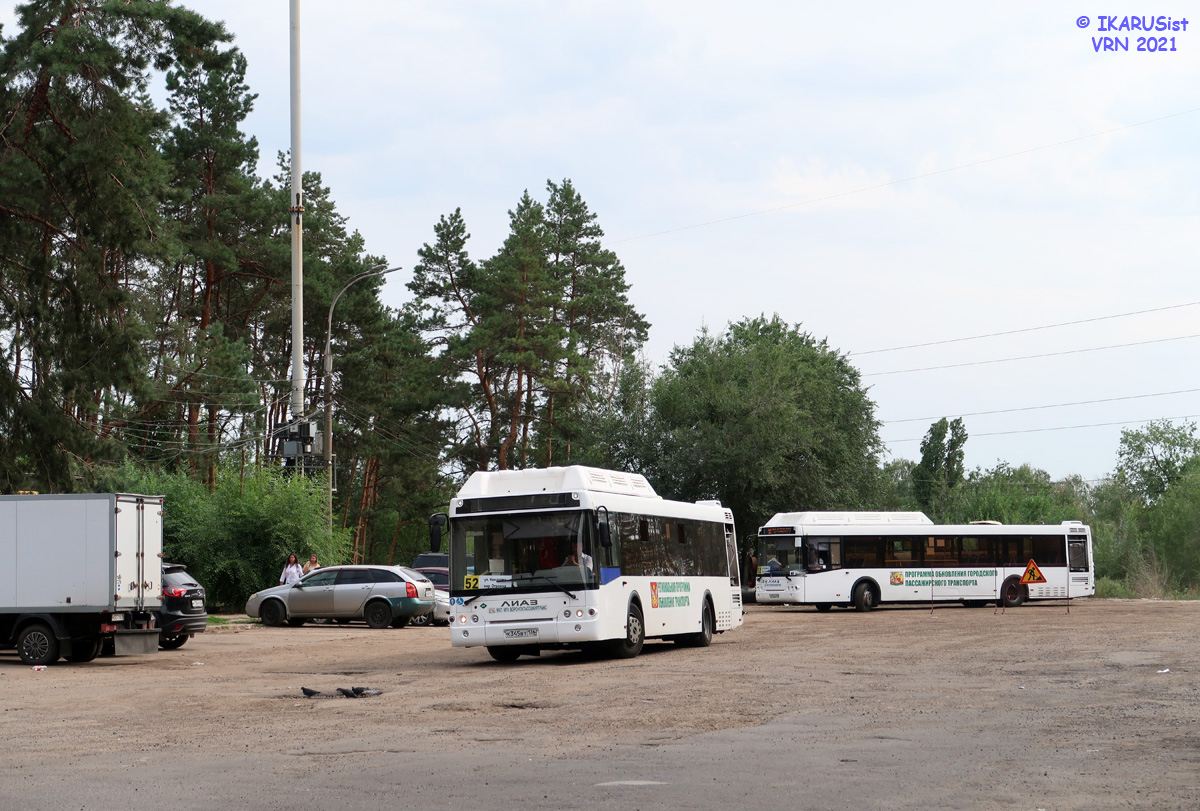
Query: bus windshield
(778, 555)
(522, 551)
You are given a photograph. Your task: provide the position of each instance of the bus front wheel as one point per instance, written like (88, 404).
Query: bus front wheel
(635, 635)
(1013, 593)
(823, 607)
(864, 597)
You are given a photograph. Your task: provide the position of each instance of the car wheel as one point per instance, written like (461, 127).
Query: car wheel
(379, 615)
(296, 622)
(85, 650)
(272, 613)
(172, 642)
(635, 635)
(421, 620)
(37, 645)
(504, 653)
(864, 597)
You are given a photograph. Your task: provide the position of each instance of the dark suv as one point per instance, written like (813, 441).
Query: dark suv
(183, 612)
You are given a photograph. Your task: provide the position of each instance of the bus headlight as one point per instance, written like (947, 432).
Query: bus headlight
(463, 618)
(579, 613)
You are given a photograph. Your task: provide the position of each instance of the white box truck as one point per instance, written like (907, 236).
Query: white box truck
(77, 571)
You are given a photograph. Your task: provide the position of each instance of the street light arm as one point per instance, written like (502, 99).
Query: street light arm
(378, 270)
(327, 439)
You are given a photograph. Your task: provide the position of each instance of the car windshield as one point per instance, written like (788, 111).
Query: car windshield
(522, 551)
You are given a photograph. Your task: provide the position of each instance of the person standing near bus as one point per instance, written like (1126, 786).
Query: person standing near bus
(312, 564)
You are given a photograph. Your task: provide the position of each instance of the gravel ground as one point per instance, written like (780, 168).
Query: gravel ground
(1035, 707)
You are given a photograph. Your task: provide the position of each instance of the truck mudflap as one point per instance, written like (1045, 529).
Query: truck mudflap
(135, 641)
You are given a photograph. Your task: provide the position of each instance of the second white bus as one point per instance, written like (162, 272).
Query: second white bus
(865, 559)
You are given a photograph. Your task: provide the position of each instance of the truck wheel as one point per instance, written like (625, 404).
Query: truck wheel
(379, 615)
(37, 645)
(172, 642)
(272, 613)
(85, 650)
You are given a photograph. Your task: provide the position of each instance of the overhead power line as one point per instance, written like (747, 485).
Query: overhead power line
(1032, 357)
(1025, 329)
(1039, 407)
(1058, 428)
(902, 180)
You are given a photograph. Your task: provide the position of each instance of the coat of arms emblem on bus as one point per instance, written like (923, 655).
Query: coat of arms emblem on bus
(897, 578)
(653, 594)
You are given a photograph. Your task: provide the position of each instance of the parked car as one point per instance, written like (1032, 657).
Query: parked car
(381, 595)
(440, 577)
(438, 560)
(183, 613)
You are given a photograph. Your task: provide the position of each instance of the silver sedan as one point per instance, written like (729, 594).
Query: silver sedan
(381, 595)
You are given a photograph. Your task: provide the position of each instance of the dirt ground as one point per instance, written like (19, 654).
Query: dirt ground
(1036, 708)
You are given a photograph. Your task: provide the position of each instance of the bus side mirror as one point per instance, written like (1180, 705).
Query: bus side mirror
(603, 531)
(436, 522)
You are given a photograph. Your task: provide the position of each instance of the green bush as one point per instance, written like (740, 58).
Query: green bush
(235, 538)
(1112, 588)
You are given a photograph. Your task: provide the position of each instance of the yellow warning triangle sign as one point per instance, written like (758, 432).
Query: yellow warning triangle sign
(1032, 574)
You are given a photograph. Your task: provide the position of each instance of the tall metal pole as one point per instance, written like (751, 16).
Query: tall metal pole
(296, 210)
(327, 439)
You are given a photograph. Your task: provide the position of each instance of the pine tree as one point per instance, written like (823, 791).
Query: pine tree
(81, 184)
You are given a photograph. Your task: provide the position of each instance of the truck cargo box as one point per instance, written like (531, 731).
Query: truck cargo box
(76, 570)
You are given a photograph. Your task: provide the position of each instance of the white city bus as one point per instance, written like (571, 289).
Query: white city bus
(578, 557)
(864, 559)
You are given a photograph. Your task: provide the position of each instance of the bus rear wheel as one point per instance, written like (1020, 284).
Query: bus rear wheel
(864, 597)
(635, 635)
(1013, 593)
(504, 653)
(703, 637)
(823, 607)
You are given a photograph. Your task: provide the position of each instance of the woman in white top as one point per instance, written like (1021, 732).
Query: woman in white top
(291, 572)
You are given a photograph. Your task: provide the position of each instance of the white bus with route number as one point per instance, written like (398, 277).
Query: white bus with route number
(578, 557)
(864, 559)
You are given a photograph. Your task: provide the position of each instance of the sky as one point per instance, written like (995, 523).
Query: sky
(885, 175)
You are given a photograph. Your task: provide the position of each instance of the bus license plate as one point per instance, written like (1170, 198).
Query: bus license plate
(519, 633)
